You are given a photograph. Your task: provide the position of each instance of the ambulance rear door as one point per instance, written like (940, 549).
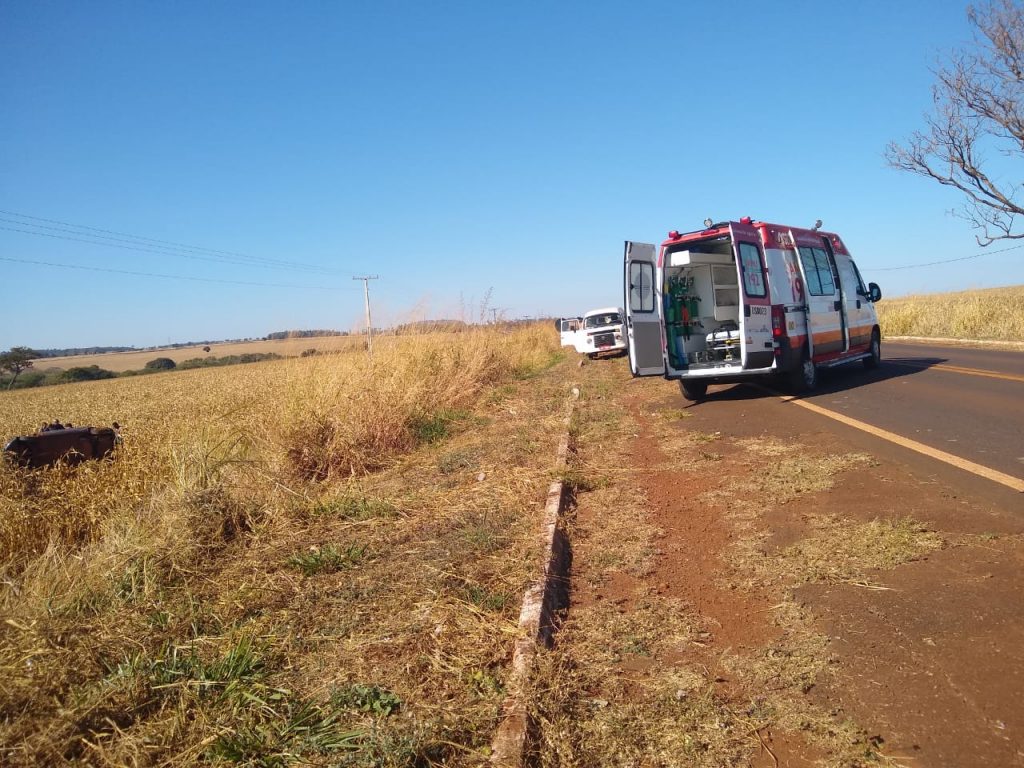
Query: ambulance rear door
(755, 319)
(643, 311)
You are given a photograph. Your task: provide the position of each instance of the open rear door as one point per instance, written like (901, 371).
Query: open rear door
(643, 311)
(755, 319)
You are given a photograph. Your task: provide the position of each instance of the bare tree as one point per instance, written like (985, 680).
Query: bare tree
(978, 114)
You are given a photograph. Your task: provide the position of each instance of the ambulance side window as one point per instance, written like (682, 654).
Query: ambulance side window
(820, 281)
(641, 286)
(753, 276)
(828, 282)
(810, 271)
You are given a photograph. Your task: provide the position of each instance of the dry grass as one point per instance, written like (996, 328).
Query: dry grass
(221, 592)
(618, 689)
(841, 550)
(991, 313)
(611, 695)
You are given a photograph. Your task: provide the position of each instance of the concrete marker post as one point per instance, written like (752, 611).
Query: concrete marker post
(537, 615)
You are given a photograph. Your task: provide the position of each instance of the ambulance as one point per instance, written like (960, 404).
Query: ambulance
(744, 299)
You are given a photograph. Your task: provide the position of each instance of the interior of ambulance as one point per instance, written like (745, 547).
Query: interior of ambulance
(702, 305)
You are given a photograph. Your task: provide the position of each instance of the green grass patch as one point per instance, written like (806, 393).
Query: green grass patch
(327, 559)
(435, 427)
(371, 699)
(454, 461)
(357, 508)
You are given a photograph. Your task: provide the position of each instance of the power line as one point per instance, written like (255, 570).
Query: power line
(168, 277)
(947, 261)
(213, 259)
(159, 249)
(149, 244)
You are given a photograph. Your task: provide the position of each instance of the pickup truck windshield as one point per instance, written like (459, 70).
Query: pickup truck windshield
(599, 321)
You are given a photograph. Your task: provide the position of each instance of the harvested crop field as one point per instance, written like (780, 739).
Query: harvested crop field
(313, 561)
(137, 359)
(992, 314)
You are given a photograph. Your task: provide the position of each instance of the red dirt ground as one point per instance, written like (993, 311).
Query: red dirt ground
(934, 665)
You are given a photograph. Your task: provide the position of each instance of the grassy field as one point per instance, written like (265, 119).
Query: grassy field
(314, 561)
(988, 314)
(995, 314)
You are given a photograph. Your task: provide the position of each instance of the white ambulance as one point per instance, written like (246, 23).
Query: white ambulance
(601, 331)
(746, 298)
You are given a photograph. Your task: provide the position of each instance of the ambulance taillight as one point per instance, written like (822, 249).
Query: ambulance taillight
(778, 326)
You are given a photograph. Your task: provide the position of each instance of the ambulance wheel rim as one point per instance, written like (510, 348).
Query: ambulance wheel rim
(809, 372)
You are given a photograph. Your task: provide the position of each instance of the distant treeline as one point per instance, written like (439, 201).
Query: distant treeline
(71, 351)
(248, 357)
(302, 334)
(33, 378)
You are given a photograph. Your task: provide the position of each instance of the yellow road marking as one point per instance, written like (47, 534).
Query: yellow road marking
(969, 466)
(959, 369)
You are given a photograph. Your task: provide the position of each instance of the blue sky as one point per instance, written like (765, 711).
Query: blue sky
(449, 148)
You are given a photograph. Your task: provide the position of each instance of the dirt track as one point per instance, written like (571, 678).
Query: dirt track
(910, 653)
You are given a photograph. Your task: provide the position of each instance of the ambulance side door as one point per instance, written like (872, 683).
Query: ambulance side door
(859, 315)
(642, 302)
(825, 325)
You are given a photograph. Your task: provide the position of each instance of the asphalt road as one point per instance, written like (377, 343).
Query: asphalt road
(965, 401)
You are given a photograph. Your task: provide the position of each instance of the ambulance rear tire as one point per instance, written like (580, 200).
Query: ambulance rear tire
(804, 378)
(694, 391)
(876, 351)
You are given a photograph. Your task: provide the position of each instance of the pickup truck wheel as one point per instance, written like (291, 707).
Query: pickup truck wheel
(694, 391)
(804, 378)
(876, 351)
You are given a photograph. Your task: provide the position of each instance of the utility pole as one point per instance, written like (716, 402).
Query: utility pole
(366, 292)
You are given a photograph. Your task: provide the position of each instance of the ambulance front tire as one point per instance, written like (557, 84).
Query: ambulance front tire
(875, 349)
(694, 391)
